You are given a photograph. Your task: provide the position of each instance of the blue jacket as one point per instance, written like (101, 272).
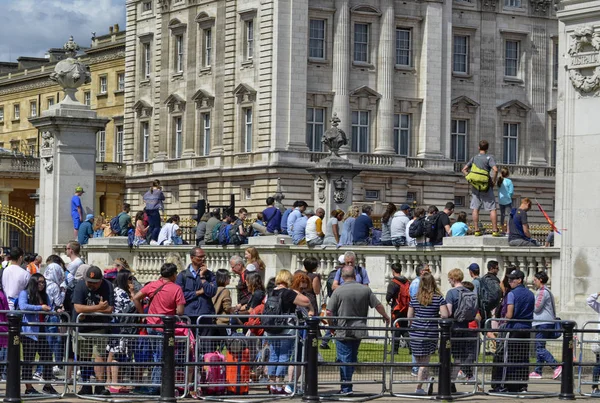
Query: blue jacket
(86, 231)
(524, 305)
(30, 317)
(197, 305)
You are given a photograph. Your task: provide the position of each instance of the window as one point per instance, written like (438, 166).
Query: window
(50, 102)
(458, 138)
(145, 141)
(247, 146)
(17, 112)
(121, 81)
(360, 131)
(411, 197)
(361, 43)
(32, 109)
(32, 147)
(511, 133)
(403, 47)
(178, 136)
(179, 55)
(247, 193)
(100, 145)
(249, 39)
(147, 6)
(206, 133)
(401, 134)
(316, 43)
(1, 114)
(87, 98)
(103, 85)
(315, 125)
(555, 64)
(512, 3)
(119, 144)
(207, 47)
(146, 58)
(511, 59)
(371, 194)
(460, 62)
(553, 156)
(459, 201)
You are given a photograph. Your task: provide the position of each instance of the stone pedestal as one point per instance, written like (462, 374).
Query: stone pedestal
(68, 160)
(333, 183)
(577, 175)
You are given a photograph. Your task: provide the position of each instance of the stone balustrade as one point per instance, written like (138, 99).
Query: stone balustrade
(520, 170)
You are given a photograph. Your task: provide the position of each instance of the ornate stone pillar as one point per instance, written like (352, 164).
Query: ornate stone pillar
(385, 81)
(341, 67)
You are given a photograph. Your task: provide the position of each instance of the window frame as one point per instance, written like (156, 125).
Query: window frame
(33, 110)
(248, 127)
(119, 149)
(101, 145)
(50, 102)
(454, 137)
(312, 125)
(1, 113)
(366, 44)
(515, 4)
(146, 59)
(466, 55)
(555, 63)
(103, 84)
(356, 141)
(17, 112)
(179, 53)
(517, 61)
(249, 36)
(323, 40)
(145, 8)
(206, 132)
(207, 43)
(399, 49)
(87, 98)
(399, 128)
(177, 136)
(506, 136)
(145, 135)
(121, 82)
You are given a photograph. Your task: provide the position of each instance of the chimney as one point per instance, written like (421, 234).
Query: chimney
(116, 28)
(110, 30)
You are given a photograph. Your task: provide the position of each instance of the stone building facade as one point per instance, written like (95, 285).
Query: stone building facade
(225, 97)
(26, 91)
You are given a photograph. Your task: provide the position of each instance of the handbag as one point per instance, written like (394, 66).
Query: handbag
(557, 325)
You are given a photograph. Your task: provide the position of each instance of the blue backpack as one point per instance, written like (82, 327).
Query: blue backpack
(115, 227)
(224, 234)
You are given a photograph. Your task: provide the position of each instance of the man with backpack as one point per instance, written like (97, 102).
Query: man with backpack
(213, 221)
(489, 292)
(440, 225)
(360, 273)
(477, 172)
(120, 224)
(462, 307)
(398, 298)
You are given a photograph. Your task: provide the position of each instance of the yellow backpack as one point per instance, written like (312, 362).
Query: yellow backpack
(478, 178)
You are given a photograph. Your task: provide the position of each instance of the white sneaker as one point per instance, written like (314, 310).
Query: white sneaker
(38, 377)
(461, 375)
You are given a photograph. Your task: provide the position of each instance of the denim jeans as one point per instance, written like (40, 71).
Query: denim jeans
(347, 352)
(596, 372)
(543, 355)
(281, 352)
(156, 344)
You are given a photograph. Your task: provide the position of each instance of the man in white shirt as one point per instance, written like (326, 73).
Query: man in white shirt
(73, 250)
(168, 231)
(314, 227)
(14, 277)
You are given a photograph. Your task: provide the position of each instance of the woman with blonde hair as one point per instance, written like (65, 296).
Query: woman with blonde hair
(99, 226)
(428, 304)
(282, 348)
(254, 263)
(346, 237)
(332, 230)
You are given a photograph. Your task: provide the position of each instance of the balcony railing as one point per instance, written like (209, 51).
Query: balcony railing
(520, 170)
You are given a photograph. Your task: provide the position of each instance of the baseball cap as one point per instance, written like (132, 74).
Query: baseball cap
(474, 267)
(342, 259)
(79, 189)
(89, 217)
(516, 274)
(81, 270)
(93, 275)
(405, 207)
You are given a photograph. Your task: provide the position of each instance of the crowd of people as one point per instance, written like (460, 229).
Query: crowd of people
(400, 225)
(506, 307)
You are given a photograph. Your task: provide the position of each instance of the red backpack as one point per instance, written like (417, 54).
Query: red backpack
(402, 300)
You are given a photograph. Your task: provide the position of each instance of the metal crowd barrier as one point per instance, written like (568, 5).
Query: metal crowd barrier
(588, 359)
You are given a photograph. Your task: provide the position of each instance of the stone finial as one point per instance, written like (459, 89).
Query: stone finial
(334, 138)
(279, 196)
(70, 73)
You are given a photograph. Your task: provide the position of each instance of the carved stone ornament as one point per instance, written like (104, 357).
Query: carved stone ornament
(540, 6)
(47, 151)
(334, 138)
(70, 73)
(320, 182)
(339, 194)
(584, 63)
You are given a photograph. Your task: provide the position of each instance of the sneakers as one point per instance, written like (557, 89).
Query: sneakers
(58, 372)
(430, 387)
(38, 377)
(288, 390)
(49, 390)
(596, 392)
(101, 390)
(85, 390)
(414, 373)
(497, 233)
(535, 375)
(420, 392)
(461, 375)
(345, 393)
(557, 372)
(498, 389)
(478, 233)
(32, 391)
(112, 389)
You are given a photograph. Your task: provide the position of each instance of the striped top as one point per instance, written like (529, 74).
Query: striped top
(431, 311)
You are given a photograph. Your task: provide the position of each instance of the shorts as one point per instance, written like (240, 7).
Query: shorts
(90, 346)
(76, 222)
(485, 199)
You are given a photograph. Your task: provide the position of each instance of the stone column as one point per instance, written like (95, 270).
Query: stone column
(5, 195)
(341, 67)
(576, 275)
(385, 81)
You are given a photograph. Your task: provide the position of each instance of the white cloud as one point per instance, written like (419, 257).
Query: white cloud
(31, 27)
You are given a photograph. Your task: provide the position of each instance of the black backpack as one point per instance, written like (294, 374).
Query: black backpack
(329, 283)
(417, 228)
(272, 324)
(490, 292)
(430, 226)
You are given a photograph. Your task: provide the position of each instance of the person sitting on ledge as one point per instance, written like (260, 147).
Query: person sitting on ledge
(518, 226)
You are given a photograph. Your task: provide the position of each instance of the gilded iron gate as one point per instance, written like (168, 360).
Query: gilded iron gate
(17, 228)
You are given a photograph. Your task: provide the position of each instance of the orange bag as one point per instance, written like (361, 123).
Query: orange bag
(238, 373)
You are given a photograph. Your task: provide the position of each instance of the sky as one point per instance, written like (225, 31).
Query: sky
(31, 27)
